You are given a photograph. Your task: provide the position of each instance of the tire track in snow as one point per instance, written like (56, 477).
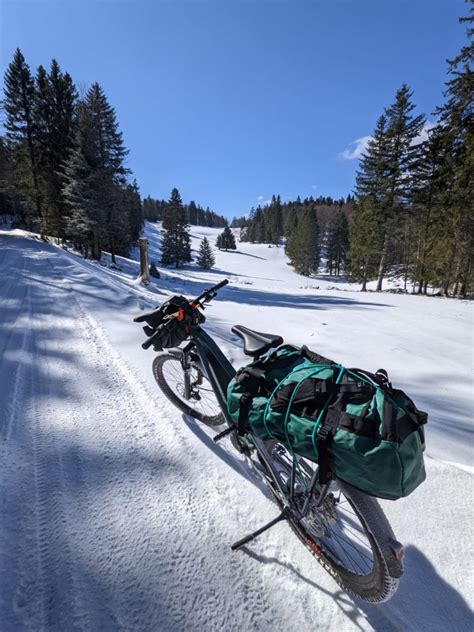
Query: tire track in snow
(55, 590)
(180, 564)
(132, 614)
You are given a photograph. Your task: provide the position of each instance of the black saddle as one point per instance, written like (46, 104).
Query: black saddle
(256, 343)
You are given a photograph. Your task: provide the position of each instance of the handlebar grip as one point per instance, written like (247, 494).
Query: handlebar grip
(221, 284)
(151, 340)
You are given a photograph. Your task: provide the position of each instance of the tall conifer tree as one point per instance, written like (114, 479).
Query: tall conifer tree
(54, 108)
(99, 149)
(176, 244)
(19, 96)
(337, 242)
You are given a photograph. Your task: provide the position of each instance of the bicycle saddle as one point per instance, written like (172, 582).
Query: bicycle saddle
(256, 343)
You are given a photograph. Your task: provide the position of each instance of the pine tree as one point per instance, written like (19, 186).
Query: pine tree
(19, 95)
(99, 151)
(372, 191)
(337, 242)
(428, 226)
(54, 107)
(384, 174)
(176, 245)
(206, 259)
(305, 247)
(274, 225)
(9, 201)
(133, 205)
(402, 130)
(291, 226)
(192, 212)
(226, 240)
(79, 194)
(366, 241)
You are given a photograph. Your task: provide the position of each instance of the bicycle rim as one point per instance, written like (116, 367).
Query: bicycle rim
(202, 402)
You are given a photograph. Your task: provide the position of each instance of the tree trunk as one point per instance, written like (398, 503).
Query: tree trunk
(144, 267)
(96, 252)
(447, 280)
(465, 280)
(382, 264)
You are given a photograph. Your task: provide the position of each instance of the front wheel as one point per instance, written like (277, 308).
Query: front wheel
(191, 393)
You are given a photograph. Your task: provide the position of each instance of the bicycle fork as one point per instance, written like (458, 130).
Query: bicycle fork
(186, 358)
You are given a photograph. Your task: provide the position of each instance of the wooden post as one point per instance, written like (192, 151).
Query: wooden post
(144, 266)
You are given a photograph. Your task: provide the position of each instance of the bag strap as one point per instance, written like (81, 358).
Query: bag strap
(328, 423)
(395, 428)
(253, 380)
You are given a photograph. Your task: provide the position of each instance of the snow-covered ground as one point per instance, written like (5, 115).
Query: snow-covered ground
(117, 513)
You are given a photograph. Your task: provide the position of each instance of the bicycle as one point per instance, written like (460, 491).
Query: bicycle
(344, 528)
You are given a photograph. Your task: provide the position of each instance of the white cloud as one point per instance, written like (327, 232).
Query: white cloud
(260, 198)
(355, 149)
(423, 135)
(358, 146)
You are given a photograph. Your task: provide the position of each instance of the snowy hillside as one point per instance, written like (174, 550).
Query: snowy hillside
(117, 512)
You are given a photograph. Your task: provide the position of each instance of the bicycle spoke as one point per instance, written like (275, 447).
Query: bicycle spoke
(202, 397)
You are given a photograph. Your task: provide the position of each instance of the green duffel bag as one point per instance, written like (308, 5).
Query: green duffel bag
(350, 421)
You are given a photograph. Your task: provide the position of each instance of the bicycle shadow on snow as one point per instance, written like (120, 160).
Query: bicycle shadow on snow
(231, 457)
(424, 602)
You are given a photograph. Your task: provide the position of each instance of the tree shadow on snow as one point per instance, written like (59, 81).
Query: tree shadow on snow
(262, 298)
(247, 254)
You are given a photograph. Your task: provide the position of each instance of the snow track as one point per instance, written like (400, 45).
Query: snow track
(117, 513)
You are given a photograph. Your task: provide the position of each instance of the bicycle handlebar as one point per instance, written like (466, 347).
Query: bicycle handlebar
(209, 294)
(155, 330)
(154, 337)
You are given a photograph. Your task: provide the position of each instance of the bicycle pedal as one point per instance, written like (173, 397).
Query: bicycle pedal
(239, 445)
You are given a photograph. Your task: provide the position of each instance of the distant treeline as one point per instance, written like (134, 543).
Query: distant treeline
(155, 210)
(308, 225)
(413, 208)
(322, 203)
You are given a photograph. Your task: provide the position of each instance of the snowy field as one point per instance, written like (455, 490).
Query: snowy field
(117, 513)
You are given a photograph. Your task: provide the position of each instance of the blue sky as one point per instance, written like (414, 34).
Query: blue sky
(234, 101)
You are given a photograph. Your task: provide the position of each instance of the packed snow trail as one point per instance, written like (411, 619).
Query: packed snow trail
(117, 513)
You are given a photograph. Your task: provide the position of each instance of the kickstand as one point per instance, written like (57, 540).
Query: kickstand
(282, 516)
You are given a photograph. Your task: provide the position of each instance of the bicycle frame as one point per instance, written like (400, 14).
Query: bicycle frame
(217, 367)
(220, 372)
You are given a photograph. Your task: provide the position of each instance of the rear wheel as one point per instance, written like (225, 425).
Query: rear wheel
(349, 534)
(196, 398)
